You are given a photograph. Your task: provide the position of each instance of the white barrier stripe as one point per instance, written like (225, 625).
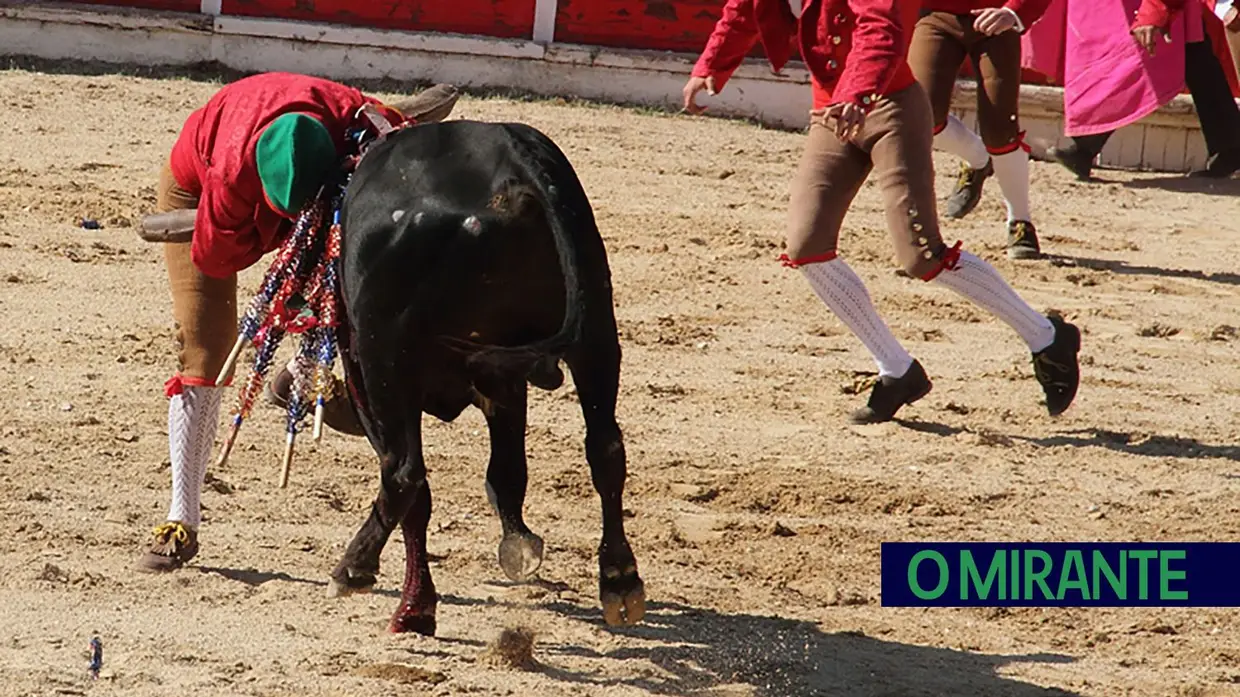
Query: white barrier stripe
(544, 21)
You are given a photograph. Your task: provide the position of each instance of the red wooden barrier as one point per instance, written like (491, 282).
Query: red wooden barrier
(662, 25)
(670, 25)
(507, 19)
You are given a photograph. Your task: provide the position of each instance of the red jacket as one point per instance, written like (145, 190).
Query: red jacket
(1029, 11)
(214, 159)
(855, 50)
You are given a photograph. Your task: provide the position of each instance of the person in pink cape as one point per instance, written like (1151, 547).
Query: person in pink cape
(1119, 61)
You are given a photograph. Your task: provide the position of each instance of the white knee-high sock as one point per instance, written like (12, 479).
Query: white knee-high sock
(982, 284)
(957, 139)
(193, 417)
(1012, 171)
(843, 292)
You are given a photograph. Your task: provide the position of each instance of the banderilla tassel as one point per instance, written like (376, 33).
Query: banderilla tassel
(287, 463)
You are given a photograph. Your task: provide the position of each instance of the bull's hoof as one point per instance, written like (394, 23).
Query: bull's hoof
(404, 622)
(520, 555)
(349, 583)
(625, 609)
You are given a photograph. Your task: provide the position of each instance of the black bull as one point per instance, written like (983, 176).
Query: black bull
(471, 265)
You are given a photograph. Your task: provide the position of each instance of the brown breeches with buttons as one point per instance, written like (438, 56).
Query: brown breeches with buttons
(896, 143)
(941, 43)
(204, 308)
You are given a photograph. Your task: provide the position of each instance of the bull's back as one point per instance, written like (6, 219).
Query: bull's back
(442, 237)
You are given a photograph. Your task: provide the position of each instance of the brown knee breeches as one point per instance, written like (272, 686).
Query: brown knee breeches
(204, 308)
(896, 144)
(941, 43)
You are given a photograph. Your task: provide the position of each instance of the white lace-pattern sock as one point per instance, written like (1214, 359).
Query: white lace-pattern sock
(981, 283)
(193, 417)
(843, 292)
(1012, 171)
(957, 139)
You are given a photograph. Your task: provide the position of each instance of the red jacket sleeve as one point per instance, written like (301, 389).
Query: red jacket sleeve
(226, 237)
(879, 44)
(1157, 13)
(1029, 11)
(734, 37)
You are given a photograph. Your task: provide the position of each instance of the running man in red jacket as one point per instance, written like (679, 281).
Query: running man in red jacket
(987, 32)
(870, 115)
(248, 161)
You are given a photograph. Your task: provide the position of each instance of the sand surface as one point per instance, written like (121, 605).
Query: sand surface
(734, 388)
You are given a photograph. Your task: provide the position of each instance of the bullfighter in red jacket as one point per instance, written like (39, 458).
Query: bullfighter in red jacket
(248, 161)
(869, 114)
(988, 33)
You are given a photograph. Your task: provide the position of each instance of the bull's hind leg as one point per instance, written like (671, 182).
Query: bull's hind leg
(520, 551)
(595, 365)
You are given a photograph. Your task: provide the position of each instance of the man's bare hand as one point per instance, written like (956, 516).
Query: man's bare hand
(994, 20)
(845, 119)
(692, 87)
(1147, 36)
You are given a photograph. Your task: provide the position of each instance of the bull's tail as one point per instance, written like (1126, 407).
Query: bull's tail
(563, 209)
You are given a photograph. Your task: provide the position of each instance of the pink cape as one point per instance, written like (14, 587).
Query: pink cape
(1109, 81)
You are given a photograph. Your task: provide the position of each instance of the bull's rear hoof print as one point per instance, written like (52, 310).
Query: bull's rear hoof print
(350, 584)
(520, 555)
(409, 623)
(625, 609)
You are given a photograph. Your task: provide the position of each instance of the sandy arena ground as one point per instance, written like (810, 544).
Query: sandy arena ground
(735, 384)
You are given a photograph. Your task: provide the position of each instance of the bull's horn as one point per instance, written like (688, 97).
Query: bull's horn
(431, 105)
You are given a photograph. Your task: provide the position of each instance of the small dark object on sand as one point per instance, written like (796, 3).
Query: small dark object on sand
(96, 657)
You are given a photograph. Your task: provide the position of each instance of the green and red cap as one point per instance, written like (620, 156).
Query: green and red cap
(295, 154)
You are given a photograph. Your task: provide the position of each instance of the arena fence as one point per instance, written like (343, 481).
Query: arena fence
(627, 51)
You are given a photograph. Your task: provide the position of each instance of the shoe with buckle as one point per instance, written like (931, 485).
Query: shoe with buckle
(174, 544)
(1023, 241)
(1057, 367)
(891, 393)
(968, 190)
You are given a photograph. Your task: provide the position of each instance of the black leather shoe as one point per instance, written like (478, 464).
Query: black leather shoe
(1220, 165)
(1076, 160)
(968, 190)
(889, 394)
(1023, 241)
(1057, 368)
